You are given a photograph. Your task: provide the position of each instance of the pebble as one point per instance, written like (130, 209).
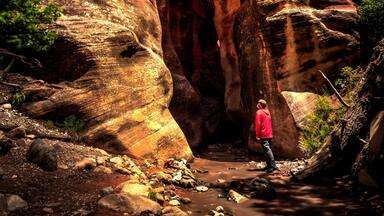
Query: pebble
(14, 202)
(116, 160)
(86, 163)
(7, 106)
(185, 200)
(236, 197)
(201, 188)
(105, 191)
(219, 209)
(174, 202)
(48, 210)
(103, 169)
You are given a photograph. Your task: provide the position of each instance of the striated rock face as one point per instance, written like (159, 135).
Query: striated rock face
(192, 54)
(109, 55)
(281, 45)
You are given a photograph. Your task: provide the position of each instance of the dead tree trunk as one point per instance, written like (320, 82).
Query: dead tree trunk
(345, 141)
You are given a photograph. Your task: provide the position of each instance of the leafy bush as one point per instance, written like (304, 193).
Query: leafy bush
(18, 98)
(321, 123)
(372, 17)
(348, 78)
(20, 22)
(73, 124)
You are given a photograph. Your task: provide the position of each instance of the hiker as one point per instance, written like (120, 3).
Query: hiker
(263, 127)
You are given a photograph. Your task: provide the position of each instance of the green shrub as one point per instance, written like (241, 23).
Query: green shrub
(372, 18)
(321, 123)
(347, 81)
(18, 98)
(20, 22)
(73, 124)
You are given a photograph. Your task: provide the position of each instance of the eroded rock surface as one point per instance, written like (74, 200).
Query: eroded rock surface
(281, 45)
(109, 55)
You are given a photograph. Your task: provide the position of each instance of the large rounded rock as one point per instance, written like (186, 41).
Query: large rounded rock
(133, 205)
(14, 202)
(43, 155)
(109, 53)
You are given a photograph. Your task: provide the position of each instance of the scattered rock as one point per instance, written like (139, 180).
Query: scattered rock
(185, 200)
(43, 155)
(236, 197)
(86, 164)
(187, 183)
(173, 211)
(5, 145)
(215, 213)
(133, 187)
(7, 106)
(220, 209)
(261, 188)
(174, 202)
(201, 188)
(105, 191)
(163, 177)
(103, 169)
(133, 205)
(48, 210)
(19, 132)
(63, 166)
(31, 136)
(116, 160)
(14, 202)
(101, 160)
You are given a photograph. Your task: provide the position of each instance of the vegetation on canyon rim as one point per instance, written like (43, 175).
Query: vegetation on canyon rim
(325, 118)
(372, 18)
(20, 22)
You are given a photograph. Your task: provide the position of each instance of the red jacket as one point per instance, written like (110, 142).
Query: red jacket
(263, 124)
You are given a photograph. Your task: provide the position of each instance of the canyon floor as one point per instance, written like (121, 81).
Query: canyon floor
(70, 191)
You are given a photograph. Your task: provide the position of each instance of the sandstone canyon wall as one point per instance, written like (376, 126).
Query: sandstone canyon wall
(124, 65)
(282, 44)
(265, 48)
(109, 57)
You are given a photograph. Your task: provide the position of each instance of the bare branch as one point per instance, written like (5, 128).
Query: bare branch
(33, 64)
(334, 89)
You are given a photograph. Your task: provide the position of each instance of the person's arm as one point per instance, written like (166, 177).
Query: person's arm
(257, 125)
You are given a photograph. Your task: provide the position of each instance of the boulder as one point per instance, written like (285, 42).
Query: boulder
(135, 188)
(173, 211)
(14, 203)
(115, 78)
(130, 204)
(19, 132)
(5, 144)
(43, 155)
(236, 197)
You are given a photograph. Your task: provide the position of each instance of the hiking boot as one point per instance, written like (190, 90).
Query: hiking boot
(271, 169)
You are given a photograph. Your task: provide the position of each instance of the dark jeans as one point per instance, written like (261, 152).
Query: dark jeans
(266, 144)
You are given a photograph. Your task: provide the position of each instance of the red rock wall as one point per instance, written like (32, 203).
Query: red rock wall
(281, 46)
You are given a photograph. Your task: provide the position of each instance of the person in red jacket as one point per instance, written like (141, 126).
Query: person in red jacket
(263, 128)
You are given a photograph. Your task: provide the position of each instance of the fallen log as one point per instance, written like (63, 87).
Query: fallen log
(344, 144)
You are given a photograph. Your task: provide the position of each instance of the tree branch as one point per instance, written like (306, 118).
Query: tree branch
(334, 89)
(33, 64)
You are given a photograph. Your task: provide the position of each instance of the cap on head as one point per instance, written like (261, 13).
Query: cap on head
(262, 102)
